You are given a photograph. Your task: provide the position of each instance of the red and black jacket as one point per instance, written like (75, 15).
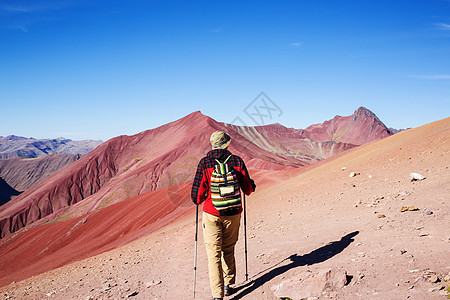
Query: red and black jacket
(201, 191)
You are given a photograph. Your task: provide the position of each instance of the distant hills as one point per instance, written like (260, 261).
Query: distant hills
(26, 161)
(17, 146)
(22, 173)
(127, 166)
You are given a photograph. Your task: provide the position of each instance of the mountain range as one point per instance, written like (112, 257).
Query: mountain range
(26, 161)
(127, 166)
(19, 174)
(20, 171)
(17, 146)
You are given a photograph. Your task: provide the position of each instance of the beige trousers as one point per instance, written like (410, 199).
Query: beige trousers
(220, 235)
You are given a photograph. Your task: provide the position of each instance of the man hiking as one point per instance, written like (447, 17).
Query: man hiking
(218, 182)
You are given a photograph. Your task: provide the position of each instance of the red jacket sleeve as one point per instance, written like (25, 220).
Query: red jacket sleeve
(244, 179)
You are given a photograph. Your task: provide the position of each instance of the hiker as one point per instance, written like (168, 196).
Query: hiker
(220, 177)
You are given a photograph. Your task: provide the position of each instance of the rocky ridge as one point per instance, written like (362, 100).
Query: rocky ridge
(16, 146)
(22, 173)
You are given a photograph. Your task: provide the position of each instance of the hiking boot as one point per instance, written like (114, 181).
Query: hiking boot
(228, 290)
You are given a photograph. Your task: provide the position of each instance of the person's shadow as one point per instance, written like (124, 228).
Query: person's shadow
(316, 256)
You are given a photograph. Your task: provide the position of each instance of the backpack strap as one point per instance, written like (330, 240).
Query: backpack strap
(222, 168)
(226, 160)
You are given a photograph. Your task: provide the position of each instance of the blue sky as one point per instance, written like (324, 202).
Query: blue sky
(97, 69)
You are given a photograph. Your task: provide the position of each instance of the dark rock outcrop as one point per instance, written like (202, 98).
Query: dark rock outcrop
(6, 192)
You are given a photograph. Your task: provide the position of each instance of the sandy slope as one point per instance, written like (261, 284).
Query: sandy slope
(298, 220)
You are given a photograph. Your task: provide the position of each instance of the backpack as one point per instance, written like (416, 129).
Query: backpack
(225, 188)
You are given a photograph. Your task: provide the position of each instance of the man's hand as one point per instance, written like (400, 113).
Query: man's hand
(252, 182)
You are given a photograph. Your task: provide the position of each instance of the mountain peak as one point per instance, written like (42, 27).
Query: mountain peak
(195, 114)
(13, 137)
(194, 117)
(363, 112)
(361, 127)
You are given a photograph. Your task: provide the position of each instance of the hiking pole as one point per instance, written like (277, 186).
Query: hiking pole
(245, 238)
(195, 256)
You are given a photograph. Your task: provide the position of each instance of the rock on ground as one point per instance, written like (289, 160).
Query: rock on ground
(312, 284)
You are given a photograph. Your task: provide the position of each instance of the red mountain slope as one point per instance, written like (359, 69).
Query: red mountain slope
(127, 166)
(42, 248)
